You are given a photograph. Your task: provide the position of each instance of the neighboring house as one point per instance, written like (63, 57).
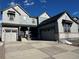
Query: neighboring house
(16, 23)
(59, 27)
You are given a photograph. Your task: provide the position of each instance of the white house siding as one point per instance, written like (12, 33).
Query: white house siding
(43, 17)
(5, 18)
(22, 19)
(74, 28)
(11, 35)
(74, 31)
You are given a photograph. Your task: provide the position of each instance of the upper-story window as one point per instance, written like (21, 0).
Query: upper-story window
(11, 15)
(33, 21)
(67, 25)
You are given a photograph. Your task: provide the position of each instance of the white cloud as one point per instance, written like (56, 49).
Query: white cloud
(32, 3)
(43, 1)
(28, 2)
(25, 1)
(12, 3)
(75, 13)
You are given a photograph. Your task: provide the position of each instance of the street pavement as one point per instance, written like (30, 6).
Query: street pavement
(40, 50)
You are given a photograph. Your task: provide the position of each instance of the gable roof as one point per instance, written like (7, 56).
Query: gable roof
(52, 19)
(43, 14)
(76, 20)
(15, 9)
(55, 18)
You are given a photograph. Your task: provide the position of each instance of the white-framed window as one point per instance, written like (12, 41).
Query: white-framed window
(8, 30)
(67, 27)
(33, 20)
(11, 15)
(14, 30)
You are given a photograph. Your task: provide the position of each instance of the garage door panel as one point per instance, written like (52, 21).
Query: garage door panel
(13, 37)
(7, 36)
(48, 34)
(10, 35)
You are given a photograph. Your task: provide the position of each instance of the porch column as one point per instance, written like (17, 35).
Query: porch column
(19, 35)
(38, 34)
(28, 33)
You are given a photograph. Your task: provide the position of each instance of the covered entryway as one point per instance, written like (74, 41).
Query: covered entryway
(29, 33)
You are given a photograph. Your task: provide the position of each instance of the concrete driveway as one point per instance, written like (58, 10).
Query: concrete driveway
(40, 50)
(2, 51)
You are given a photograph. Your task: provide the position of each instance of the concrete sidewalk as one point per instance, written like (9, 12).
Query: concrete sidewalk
(40, 50)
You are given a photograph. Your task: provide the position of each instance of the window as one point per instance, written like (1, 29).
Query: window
(11, 15)
(33, 21)
(67, 27)
(7, 30)
(14, 30)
